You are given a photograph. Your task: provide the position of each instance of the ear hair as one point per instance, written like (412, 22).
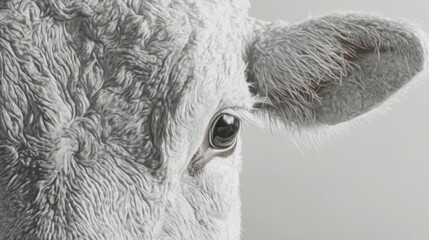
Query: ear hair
(330, 69)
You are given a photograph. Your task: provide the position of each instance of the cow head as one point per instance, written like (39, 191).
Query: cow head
(120, 119)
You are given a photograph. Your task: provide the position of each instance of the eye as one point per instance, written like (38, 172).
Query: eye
(224, 131)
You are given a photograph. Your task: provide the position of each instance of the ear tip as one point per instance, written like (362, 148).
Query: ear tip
(424, 43)
(421, 42)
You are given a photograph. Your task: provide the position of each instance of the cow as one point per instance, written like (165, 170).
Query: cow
(120, 119)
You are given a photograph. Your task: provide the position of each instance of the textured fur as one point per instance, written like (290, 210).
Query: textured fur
(105, 107)
(336, 67)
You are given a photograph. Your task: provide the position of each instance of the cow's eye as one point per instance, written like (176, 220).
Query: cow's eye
(223, 133)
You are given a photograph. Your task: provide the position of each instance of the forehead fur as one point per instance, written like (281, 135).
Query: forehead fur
(91, 80)
(124, 61)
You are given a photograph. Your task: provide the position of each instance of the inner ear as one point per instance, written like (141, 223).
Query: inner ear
(352, 51)
(317, 87)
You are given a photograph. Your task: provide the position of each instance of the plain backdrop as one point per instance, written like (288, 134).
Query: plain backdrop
(370, 184)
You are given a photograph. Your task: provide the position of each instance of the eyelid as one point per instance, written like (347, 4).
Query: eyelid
(245, 116)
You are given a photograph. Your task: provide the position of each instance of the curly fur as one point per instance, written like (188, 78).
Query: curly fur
(104, 105)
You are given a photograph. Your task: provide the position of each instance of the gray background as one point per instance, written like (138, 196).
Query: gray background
(370, 184)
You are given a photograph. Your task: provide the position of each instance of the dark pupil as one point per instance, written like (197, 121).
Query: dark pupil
(225, 131)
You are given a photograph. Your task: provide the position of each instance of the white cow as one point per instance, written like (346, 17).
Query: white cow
(119, 119)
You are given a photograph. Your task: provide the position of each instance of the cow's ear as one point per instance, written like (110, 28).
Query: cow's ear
(330, 69)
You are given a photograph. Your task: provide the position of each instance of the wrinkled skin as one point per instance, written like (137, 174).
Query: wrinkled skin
(106, 107)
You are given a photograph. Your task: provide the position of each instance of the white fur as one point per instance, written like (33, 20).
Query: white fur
(105, 107)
